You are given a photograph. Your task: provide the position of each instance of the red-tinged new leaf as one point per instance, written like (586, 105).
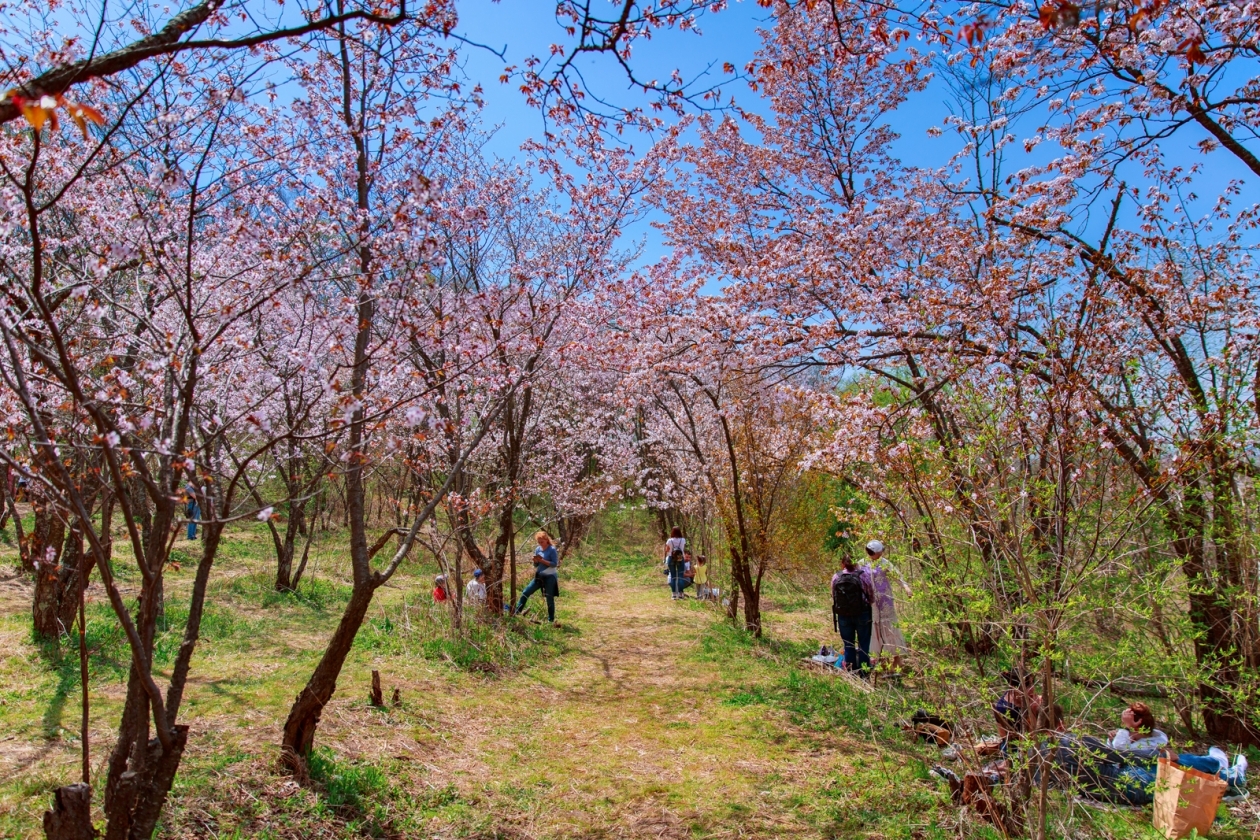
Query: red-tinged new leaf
(34, 115)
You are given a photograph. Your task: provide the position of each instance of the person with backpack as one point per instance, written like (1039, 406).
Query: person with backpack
(546, 566)
(852, 594)
(675, 561)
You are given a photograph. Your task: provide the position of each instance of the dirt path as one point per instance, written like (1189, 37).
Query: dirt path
(630, 734)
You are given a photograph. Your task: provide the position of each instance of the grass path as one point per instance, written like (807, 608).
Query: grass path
(638, 717)
(629, 734)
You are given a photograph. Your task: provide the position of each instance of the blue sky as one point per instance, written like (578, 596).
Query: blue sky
(528, 27)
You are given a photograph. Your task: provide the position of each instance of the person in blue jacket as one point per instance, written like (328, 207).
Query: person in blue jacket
(546, 566)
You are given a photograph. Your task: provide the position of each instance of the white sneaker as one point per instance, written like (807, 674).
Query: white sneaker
(1239, 770)
(1221, 757)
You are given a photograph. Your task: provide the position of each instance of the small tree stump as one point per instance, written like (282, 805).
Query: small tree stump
(377, 698)
(71, 814)
(397, 699)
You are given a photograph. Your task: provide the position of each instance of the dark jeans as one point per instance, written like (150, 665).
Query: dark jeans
(676, 583)
(194, 513)
(548, 592)
(856, 632)
(1099, 771)
(1202, 763)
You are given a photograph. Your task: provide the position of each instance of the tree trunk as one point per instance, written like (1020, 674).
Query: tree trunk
(139, 794)
(57, 588)
(71, 814)
(76, 568)
(1225, 716)
(286, 549)
(752, 612)
(299, 729)
(48, 547)
(512, 563)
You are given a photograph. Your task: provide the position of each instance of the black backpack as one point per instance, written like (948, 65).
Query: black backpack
(847, 596)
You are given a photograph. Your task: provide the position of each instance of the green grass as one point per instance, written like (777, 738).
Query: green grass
(638, 717)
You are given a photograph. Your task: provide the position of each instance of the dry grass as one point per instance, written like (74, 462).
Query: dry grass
(607, 727)
(638, 718)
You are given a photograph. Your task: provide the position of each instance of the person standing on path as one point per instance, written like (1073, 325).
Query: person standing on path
(851, 597)
(701, 577)
(886, 639)
(675, 548)
(546, 565)
(193, 511)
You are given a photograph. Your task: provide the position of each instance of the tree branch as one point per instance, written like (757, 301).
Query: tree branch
(166, 41)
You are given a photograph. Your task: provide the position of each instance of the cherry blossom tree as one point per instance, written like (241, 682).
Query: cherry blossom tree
(1088, 259)
(129, 294)
(523, 248)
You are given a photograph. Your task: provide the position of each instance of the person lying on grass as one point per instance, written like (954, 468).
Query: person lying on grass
(1095, 768)
(1127, 775)
(1137, 733)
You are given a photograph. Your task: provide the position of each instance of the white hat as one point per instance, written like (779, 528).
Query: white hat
(875, 547)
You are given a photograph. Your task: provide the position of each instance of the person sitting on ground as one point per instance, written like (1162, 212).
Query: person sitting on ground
(851, 598)
(475, 591)
(1138, 734)
(546, 564)
(1016, 709)
(701, 577)
(440, 594)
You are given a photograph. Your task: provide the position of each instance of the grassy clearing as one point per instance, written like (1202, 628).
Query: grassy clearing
(638, 717)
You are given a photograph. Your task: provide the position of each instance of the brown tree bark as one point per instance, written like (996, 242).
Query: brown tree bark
(48, 544)
(71, 814)
(299, 729)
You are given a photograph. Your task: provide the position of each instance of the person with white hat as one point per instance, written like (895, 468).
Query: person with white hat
(886, 639)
